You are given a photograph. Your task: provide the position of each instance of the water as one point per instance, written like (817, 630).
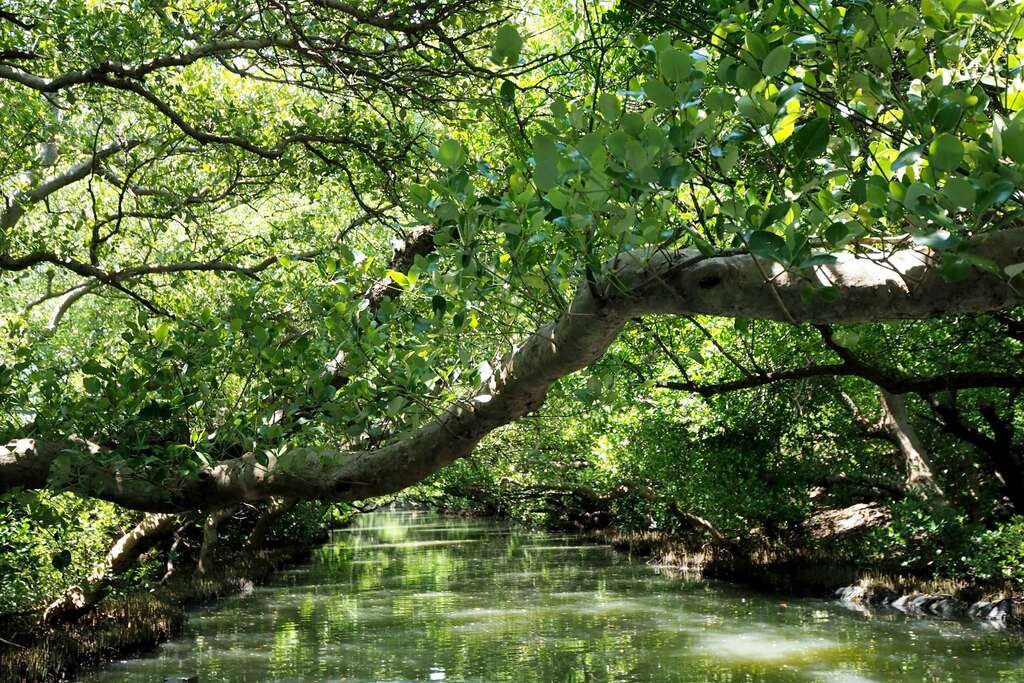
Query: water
(420, 597)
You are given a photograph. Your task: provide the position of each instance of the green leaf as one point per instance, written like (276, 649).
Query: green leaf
(608, 105)
(728, 159)
(633, 123)
(401, 279)
(837, 233)
(818, 260)
(92, 385)
(996, 194)
(508, 92)
(161, 331)
(953, 267)
(846, 338)
(815, 295)
(757, 45)
(811, 139)
(419, 193)
(767, 245)
(946, 151)
(908, 157)
(1014, 270)
(746, 77)
(660, 94)
(748, 107)
(61, 560)
(959, 192)
(452, 154)
(545, 154)
(982, 262)
(777, 61)
(507, 46)
(703, 246)
(674, 64)
(259, 335)
(940, 239)
(674, 176)
(439, 304)
(1013, 142)
(915, 193)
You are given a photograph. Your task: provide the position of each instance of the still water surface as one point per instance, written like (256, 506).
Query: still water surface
(406, 596)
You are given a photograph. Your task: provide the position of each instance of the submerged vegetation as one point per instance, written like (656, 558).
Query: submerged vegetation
(746, 276)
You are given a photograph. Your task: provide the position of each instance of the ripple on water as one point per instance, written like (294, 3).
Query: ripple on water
(841, 676)
(767, 645)
(488, 613)
(537, 548)
(418, 544)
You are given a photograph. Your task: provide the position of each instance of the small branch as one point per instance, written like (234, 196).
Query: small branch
(893, 381)
(20, 203)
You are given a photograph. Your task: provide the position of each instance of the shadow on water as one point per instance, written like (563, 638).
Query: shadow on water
(419, 597)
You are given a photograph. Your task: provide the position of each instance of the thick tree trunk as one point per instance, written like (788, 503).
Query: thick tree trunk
(903, 285)
(920, 479)
(78, 600)
(273, 512)
(210, 533)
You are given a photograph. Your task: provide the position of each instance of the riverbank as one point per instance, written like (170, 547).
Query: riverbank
(808, 574)
(133, 623)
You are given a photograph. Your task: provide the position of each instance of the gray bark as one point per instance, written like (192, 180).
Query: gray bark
(211, 527)
(920, 479)
(905, 285)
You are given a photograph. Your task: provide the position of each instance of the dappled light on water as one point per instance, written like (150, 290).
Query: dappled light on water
(419, 597)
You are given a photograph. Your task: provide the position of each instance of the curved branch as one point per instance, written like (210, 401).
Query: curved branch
(274, 511)
(67, 301)
(78, 600)
(638, 284)
(210, 533)
(104, 70)
(892, 381)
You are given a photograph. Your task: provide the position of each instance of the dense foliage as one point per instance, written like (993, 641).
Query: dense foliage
(284, 239)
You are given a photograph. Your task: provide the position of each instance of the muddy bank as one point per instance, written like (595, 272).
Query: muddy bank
(808, 574)
(130, 624)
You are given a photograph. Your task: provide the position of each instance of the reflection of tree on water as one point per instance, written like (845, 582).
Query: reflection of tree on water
(421, 597)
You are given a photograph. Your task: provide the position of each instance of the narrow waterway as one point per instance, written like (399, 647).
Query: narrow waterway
(420, 597)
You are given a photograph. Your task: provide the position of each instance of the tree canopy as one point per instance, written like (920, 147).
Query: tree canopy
(320, 250)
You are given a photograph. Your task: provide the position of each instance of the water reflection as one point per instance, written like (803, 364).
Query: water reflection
(418, 597)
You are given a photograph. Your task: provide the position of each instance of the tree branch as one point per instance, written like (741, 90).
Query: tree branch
(17, 205)
(640, 284)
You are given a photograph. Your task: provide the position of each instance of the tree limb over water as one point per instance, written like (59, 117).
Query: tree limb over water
(905, 285)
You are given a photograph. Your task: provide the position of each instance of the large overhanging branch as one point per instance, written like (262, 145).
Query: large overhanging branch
(905, 286)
